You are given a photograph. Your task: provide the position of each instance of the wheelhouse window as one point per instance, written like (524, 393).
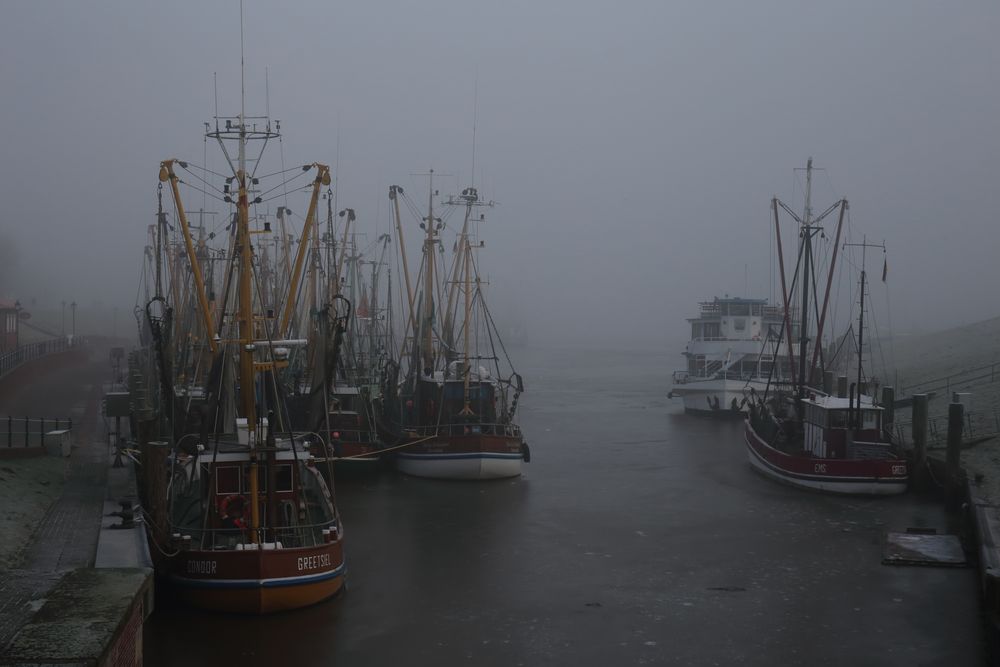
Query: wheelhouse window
(227, 479)
(283, 478)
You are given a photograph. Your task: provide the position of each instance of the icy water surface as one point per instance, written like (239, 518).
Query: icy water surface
(637, 535)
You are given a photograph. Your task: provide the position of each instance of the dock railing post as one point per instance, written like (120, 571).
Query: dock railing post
(919, 427)
(953, 489)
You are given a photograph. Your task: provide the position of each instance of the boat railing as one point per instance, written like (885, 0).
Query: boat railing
(32, 431)
(465, 428)
(723, 339)
(683, 377)
(977, 426)
(352, 434)
(268, 537)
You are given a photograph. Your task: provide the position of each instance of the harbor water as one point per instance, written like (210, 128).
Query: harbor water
(636, 535)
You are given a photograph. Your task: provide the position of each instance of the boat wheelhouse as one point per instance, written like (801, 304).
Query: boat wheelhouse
(352, 433)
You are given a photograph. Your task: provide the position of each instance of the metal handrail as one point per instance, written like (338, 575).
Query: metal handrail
(20, 431)
(317, 534)
(32, 351)
(495, 428)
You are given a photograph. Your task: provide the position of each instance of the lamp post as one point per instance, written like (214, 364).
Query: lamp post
(17, 323)
(72, 308)
(64, 317)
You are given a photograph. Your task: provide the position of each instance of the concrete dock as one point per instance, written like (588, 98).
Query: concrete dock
(79, 590)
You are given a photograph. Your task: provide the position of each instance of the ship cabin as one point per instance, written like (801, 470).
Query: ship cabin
(733, 318)
(211, 502)
(726, 338)
(482, 402)
(837, 428)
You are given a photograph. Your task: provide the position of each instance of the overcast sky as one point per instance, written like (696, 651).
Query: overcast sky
(634, 146)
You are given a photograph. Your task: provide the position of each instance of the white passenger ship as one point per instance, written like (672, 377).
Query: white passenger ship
(731, 351)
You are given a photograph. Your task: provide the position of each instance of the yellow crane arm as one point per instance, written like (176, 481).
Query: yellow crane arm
(167, 174)
(322, 178)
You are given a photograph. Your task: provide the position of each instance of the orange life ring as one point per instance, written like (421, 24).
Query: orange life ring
(226, 503)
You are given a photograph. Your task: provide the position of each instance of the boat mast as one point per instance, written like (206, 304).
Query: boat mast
(861, 330)
(861, 317)
(394, 192)
(467, 251)
(427, 345)
(807, 232)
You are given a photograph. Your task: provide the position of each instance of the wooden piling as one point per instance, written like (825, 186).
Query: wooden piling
(918, 476)
(154, 467)
(889, 408)
(953, 481)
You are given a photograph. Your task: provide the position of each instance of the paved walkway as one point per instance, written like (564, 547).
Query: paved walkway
(67, 536)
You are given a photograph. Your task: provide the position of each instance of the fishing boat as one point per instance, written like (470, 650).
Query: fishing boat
(732, 350)
(356, 395)
(238, 503)
(802, 434)
(459, 396)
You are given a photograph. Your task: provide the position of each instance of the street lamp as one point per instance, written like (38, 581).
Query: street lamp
(64, 317)
(72, 308)
(17, 323)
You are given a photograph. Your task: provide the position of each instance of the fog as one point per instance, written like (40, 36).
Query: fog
(633, 147)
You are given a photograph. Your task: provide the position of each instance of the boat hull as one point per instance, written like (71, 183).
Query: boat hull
(866, 477)
(715, 397)
(463, 457)
(257, 582)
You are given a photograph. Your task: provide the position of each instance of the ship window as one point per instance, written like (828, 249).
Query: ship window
(227, 479)
(283, 478)
(838, 418)
(870, 419)
(740, 324)
(739, 309)
(696, 330)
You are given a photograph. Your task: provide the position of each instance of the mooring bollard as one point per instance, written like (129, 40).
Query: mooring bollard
(953, 488)
(919, 426)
